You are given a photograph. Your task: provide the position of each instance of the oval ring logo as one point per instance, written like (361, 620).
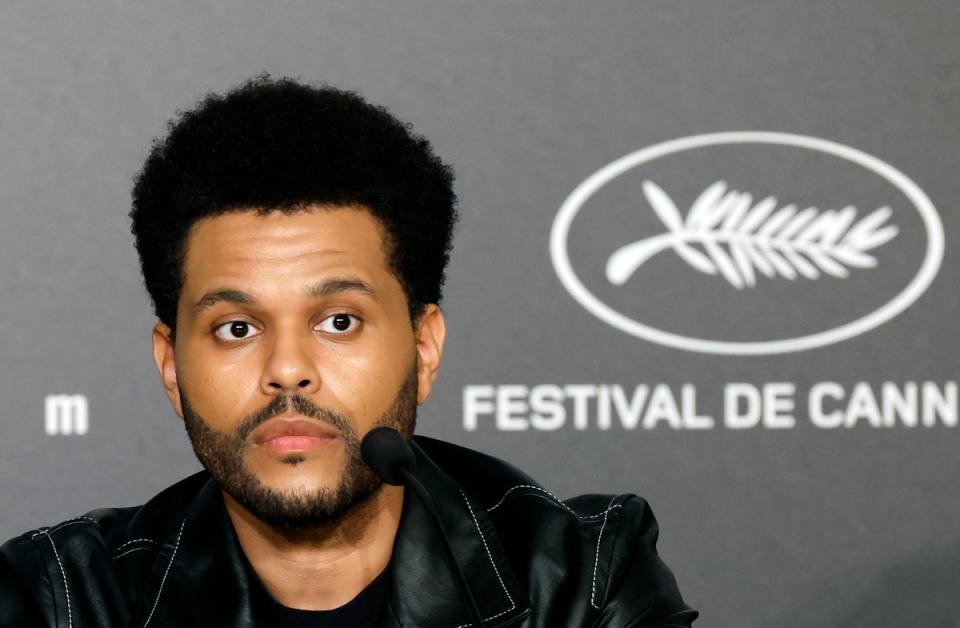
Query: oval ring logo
(727, 235)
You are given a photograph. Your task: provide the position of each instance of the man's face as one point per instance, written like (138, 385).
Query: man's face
(293, 341)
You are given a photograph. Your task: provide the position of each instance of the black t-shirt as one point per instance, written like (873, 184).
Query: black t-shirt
(363, 611)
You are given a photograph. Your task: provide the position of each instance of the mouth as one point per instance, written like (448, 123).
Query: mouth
(293, 432)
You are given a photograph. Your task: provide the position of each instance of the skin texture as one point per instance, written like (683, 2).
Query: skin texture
(275, 273)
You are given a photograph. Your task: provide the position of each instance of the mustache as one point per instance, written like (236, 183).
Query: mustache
(300, 404)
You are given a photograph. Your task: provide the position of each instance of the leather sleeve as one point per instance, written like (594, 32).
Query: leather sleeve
(16, 608)
(640, 590)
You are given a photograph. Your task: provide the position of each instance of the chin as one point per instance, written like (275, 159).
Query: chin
(299, 478)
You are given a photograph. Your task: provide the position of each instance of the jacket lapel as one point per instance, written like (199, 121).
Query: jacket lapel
(423, 592)
(199, 578)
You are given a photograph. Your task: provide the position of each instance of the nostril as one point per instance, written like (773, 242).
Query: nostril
(304, 383)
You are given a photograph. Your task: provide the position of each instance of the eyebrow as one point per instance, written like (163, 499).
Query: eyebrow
(227, 295)
(337, 285)
(320, 289)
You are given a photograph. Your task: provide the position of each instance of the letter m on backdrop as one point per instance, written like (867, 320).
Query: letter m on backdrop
(66, 414)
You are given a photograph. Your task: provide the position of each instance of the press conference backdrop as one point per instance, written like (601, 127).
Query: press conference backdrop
(707, 255)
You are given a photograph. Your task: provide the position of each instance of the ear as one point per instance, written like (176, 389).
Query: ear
(431, 332)
(163, 357)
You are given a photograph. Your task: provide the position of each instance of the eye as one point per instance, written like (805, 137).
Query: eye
(339, 323)
(235, 330)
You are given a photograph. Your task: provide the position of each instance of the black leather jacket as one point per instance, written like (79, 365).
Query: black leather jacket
(530, 559)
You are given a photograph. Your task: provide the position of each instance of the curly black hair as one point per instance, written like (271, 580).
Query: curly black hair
(281, 145)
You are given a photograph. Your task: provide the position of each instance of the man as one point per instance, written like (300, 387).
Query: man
(293, 240)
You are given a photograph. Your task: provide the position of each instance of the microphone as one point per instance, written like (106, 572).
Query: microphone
(387, 452)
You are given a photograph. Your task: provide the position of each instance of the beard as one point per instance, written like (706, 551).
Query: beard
(222, 455)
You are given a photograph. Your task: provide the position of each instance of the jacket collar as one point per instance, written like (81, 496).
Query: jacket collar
(423, 592)
(200, 576)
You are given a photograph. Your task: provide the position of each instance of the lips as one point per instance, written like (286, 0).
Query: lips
(293, 428)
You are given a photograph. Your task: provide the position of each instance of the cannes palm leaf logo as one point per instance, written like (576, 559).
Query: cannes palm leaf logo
(725, 233)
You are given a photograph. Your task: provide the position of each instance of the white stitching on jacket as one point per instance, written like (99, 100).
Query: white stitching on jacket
(68, 522)
(556, 500)
(164, 580)
(130, 551)
(604, 513)
(593, 586)
(490, 556)
(135, 541)
(63, 573)
(583, 518)
(536, 488)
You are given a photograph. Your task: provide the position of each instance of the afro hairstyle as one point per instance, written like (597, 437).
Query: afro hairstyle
(280, 145)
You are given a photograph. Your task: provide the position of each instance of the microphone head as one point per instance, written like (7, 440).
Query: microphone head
(386, 451)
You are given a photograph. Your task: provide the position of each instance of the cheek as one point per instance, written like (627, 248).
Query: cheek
(365, 384)
(353, 382)
(220, 392)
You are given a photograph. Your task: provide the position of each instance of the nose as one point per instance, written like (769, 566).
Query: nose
(290, 366)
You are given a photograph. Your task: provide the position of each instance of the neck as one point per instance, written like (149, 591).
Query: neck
(324, 567)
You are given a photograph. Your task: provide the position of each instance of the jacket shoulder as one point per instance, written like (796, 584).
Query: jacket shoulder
(24, 583)
(502, 488)
(114, 546)
(605, 544)
(111, 528)
(36, 566)
(483, 476)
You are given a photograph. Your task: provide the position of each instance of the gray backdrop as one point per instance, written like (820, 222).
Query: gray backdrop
(801, 525)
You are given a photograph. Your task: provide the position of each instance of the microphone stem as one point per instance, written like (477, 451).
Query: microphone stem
(411, 481)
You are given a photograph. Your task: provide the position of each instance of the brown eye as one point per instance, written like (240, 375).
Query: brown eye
(339, 323)
(235, 330)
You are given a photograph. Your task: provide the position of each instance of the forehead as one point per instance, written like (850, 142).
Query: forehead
(247, 247)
